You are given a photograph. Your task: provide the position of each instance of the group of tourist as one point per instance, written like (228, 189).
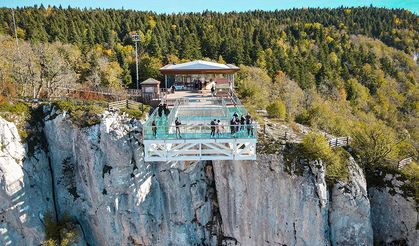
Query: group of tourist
(216, 125)
(163, 109)
(238, 124)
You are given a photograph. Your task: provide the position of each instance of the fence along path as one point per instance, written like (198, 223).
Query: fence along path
(101, 91)
(339, 142)
(125, 104)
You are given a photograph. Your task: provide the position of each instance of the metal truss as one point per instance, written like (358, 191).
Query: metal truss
(199, 149)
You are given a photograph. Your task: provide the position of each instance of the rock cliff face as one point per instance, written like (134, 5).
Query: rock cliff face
(261, 204)
(394, 215)
(102, 180)
(350, 217)
(25, 189)
(99, 178)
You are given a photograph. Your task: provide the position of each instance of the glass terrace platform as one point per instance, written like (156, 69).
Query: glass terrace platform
(195, 141)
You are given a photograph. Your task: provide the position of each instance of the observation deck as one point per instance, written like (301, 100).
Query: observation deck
(194, 140)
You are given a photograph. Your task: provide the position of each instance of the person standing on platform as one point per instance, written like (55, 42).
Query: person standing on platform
(159, 110)
(166, 110)
(213, 128)
(213, 89)
(249, 123)
(236, 119)
(220, 128)
(232, 127)
(178, 123)
(242, 122)
(154, 128)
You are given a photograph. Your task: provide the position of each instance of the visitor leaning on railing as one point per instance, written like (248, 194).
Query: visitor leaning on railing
(217, 130)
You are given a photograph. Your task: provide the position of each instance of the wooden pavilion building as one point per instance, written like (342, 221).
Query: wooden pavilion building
(198, 75)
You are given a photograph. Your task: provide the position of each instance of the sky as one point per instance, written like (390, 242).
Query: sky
(171, 6)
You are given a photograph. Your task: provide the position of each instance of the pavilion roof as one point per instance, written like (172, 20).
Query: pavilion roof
(150, 81)
(199, 67)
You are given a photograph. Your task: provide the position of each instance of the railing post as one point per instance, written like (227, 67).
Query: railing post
(336, 143)
(127, 104)
(286, 136)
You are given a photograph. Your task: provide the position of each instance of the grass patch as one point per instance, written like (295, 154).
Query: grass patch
(82, 113)
(135, 113)
(18, 108)
(268, 145)
(18, 113)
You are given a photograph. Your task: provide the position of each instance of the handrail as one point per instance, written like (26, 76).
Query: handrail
(174, 110)
(226, 112)
(201, 131)
(235, 99)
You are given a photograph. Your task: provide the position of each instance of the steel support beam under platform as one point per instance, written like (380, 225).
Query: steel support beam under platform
(200, 149)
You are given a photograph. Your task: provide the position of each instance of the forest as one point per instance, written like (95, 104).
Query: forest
(347, 71)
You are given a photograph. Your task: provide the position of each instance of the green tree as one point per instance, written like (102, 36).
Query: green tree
(373, 143)
(276, 109)
(316, 147)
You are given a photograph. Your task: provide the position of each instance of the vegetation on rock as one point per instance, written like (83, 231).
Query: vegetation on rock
(82, 114)
(61, 233)
(316, 147)
(276, 110)
(19, 113)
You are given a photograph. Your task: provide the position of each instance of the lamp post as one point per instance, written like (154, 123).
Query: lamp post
(136, 38)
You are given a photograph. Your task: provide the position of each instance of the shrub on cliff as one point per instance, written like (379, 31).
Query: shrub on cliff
(276, 110)
(17, 112)
(62, 232)
(374, 143)
(316, 147)
(411, 172)
(83, 114)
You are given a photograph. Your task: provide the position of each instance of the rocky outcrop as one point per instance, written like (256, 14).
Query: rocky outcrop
(394, 214)
(349, 211)
(102, 181)
(261, 204)
(25, 189)
(98, 176)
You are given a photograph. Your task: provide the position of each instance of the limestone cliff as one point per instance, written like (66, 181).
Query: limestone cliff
(102, 180)
(97, 175)
(25, 189)
(394, 215)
